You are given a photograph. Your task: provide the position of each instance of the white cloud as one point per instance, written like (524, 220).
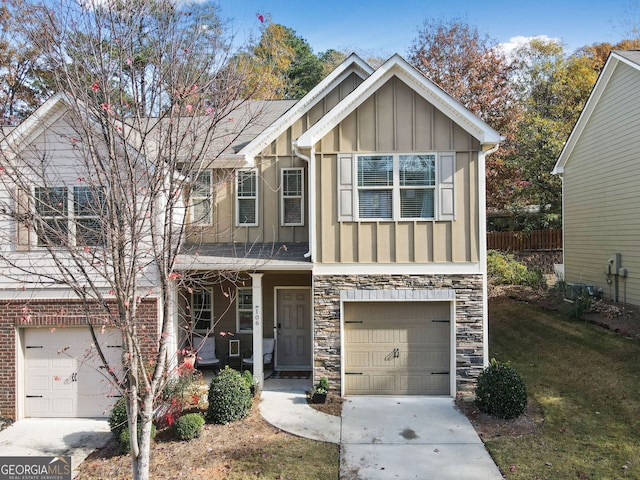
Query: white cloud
(518, 41)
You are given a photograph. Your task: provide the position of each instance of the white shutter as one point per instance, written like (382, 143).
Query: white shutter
(345, 188)
(446, 194)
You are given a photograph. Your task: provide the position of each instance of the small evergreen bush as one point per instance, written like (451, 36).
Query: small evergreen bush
(189, 426)
(124, 439)
(118, 418)
(501, 392)
(229, 397)
(504, 269)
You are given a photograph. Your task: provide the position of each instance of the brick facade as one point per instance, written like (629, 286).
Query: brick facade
(53, 314)
(468, 294)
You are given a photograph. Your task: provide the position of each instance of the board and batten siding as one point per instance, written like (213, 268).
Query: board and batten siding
(602, 190)
(278, 155)
(397, 119)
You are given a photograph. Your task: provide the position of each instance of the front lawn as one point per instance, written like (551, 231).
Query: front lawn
(248, 449)
(587, 382)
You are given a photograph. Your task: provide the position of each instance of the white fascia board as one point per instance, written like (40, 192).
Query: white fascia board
(399, 67)
(398, 269)
(33, 125)
(587, 110)
(352, 64)
(211, 263)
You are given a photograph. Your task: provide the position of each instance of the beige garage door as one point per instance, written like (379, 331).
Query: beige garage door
(63, 373)
(397, 348)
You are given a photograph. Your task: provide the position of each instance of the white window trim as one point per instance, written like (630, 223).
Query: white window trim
(71, 217)
(238, 310)
(255, 197)
(192, 311)
(283, 197)
(395, 189)
(197, 198)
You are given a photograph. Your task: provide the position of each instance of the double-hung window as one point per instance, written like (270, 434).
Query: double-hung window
(89, 206)
(202, 199)
(70, 220)
(202, 310)
(389, 187)
(417, 183)
(52, 213)
(247, 198)
(292, 197)
(375, 186)
(245, 310)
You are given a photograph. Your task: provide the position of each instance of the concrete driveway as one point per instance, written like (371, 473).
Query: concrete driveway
(410, 437)
(37, 437)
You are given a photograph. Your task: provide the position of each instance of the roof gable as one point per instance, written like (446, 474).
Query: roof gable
(630, 58)
(352, 64)
(36, 123)
(397, 66)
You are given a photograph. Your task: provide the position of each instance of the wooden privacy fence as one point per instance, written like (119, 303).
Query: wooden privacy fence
(519, 241)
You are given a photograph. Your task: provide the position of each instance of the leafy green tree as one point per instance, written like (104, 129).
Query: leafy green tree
(474, 70)
(282, 64)
(553, 88)
(25, 80)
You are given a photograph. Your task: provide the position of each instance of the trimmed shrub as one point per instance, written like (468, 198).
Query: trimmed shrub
(118, 418)
(124, 439)
(501, 391)
(504, 269)
(189, 426)
(229, 397)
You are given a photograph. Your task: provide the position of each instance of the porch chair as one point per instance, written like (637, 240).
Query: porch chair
(268, 346)
(206, 356)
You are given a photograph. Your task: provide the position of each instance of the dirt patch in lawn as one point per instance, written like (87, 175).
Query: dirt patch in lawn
(490, 428)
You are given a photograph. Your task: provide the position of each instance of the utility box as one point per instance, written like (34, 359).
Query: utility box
(574, 290)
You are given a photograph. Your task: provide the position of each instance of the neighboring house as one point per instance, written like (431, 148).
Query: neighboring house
(349, 226)
(600, 174)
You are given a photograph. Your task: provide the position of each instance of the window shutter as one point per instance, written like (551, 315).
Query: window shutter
(446, 196)
(345, 188)
(23, 232)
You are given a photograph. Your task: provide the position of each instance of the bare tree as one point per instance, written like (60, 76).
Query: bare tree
(99, 201)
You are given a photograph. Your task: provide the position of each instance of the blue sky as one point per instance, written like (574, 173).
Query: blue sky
(386, 27)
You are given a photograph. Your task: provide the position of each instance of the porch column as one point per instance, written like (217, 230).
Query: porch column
(258, 365)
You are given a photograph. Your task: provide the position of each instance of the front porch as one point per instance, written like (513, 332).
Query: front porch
(248, 315)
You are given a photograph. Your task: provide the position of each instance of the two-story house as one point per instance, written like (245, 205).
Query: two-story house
(349, 226)
(355, 225)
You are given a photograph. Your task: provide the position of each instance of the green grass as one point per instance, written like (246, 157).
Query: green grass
(586, 380)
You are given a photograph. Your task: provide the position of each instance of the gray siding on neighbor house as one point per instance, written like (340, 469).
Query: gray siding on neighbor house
(602, 189)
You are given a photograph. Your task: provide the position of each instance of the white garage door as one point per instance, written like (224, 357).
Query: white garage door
(397, 348)
(64, 376)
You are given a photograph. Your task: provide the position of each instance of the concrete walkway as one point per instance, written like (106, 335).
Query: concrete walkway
(284, 405)
(37, 437)
(385, 437)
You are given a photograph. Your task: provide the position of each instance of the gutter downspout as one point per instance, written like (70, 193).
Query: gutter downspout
(482, 194)
(312, 197)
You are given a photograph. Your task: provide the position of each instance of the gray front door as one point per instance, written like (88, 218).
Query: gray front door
(294, 328)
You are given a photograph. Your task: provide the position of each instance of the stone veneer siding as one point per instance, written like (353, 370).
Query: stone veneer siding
(468, 293)
(16, 314)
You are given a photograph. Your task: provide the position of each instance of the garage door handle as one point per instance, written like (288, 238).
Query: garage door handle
(353, 373)
(439, 373)
(354, 321)
(34, 396)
